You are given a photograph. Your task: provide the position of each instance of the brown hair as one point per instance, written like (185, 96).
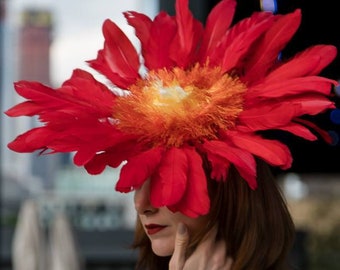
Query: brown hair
(255, 224)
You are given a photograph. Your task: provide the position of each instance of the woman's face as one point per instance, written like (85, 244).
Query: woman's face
(160, 224)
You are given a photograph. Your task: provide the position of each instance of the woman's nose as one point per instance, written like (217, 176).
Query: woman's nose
(142, 200)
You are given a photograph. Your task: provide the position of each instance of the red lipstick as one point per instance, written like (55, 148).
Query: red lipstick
(154, 228)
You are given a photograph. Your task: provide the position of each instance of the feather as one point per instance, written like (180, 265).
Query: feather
(271, 115)
(237, 40)
(37, 92)
(195, 201)
(218, 22)
(219, 167)
(241, 159)
(138, 169)
(274, 40)
(324, 134)
(170, 182)
(272, 151)
(114, 156)
(84, 155)
(27, 108)
(142, 25)
(76, 96)
(245, 25)
(311, 104)
(99, 64)
(290, 87)
(84, 87)
(307, 63)
(118, 54)
(156, 54)
(267, 116)
(97, 164)
(299, 130)
(32, 140)
(186, 40)
(68, 115)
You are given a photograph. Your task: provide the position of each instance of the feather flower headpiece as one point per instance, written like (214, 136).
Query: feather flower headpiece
(208, 91)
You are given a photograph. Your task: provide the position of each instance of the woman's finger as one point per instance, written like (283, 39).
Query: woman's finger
(228, 263)
(218, 257)
(182, 239)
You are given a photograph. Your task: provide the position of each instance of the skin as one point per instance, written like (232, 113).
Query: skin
(163, 242)
(209, 255)
(174, 238)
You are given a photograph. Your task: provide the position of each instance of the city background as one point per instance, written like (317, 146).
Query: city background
(44, 40)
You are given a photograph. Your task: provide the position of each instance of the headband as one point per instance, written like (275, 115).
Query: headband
(193, 91)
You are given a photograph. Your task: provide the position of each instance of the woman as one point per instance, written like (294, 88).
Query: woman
(191, 130)
(252, 227)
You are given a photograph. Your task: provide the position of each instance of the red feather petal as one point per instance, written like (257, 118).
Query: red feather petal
(113, 156)
(189, 32)
(98, 140)
(324, 134)
(195, 201)
(236, 43)
(75, 97)
(67, 113)
(83, 89)
(241, 159)
(272, 151)
(309, 62)
(162, 32)
(311, 104)
(84, 155)
(219, 165)
(118, 59)
(32, 140)
(299, 130)
(217, 24)
(271, 115)
(39, 93)
(97, 164)
(100, 65)
(142, 25)
(294, 86)
(138, 169)
(264, 55)
(27, 108)
(170, 182)
(267, 116)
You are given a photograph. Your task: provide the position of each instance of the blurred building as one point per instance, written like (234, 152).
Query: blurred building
(2, 19)
(35, 37)
(26, 49)
(26, 55)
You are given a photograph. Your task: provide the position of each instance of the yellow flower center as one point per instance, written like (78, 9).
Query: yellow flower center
(171, 107)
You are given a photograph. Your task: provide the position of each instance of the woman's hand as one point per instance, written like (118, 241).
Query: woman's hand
(209, 254)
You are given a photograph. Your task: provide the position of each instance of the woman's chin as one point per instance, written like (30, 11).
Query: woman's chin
(162, 249)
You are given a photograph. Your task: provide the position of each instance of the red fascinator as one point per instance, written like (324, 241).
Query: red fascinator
(206, 91)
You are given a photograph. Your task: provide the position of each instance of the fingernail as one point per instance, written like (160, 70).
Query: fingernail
(181, 228)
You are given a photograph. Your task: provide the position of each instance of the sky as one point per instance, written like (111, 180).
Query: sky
(77, 32)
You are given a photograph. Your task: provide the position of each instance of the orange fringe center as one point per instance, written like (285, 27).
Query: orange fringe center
(171, 107)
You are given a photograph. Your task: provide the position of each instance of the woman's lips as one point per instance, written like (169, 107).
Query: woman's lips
(154, 228)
